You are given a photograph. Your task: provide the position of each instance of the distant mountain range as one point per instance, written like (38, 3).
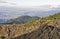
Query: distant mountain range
(25, 19)
(22, 20)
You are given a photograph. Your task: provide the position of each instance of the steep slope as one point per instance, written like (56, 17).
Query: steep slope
(22, 20)
(44, 32)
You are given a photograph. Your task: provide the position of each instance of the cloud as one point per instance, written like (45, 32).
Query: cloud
(13, 3)
(7, 3)
(3, 1)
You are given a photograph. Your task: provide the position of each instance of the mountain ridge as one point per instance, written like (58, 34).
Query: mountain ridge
(22, 19)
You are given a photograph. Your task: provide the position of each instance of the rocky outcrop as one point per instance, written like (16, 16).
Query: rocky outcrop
(44, 32)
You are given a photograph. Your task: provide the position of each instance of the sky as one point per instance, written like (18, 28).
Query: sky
(28, 3)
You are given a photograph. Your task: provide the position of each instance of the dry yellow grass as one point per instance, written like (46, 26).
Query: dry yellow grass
(20, 29)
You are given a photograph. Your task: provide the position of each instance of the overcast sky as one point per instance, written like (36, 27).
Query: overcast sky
(23, 3)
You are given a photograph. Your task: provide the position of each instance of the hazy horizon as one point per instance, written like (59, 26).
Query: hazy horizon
(14, 8)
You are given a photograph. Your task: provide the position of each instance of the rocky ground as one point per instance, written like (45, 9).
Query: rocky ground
(44, 32)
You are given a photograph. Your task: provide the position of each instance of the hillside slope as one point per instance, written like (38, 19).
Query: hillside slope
(53, 17)
(16, 30)
(37, 29)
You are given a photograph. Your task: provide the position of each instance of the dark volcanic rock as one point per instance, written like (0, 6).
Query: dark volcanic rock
(44, 32)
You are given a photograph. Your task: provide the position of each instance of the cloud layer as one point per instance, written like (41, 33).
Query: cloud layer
(27, 3)
(12, 12)
(3, 1)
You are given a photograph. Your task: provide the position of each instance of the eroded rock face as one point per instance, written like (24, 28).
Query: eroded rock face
(44, 32)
